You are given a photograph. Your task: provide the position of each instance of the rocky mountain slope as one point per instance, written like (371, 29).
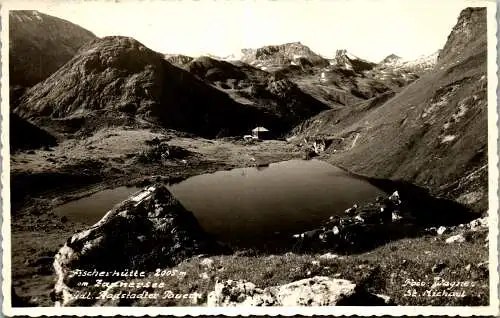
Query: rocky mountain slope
(117, 79)
(179, 60)
(396, 72)
(40, 44)
(275, 56)
(252, 86)
(433, 132)
(419, 65)
(346, 60)
(347, 80)
(467, 36)
(344, 80)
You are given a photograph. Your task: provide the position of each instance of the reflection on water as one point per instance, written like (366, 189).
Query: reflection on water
(91, 209)
(250, 205)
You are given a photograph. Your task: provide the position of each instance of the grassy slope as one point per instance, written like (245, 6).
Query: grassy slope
(406, 136)
(384, 270)
(396, 142)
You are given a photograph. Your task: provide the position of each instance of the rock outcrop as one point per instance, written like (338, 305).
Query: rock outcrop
(149, 230)
(466, 38)
(315, 291)
(178, 59)
(273, 56)
(366, 226)
(475, 230)
(346, 60)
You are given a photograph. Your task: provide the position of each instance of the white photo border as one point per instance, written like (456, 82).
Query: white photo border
(491, 310)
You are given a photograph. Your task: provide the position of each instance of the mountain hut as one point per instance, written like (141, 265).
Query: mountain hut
(261, 133)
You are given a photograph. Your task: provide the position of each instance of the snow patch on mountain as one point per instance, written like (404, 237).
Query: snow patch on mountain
(420, 64)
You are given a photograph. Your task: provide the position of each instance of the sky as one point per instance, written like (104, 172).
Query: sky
(370, 29)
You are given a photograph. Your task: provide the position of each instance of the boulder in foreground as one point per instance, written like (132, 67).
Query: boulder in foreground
(149, 230)
(315, 291)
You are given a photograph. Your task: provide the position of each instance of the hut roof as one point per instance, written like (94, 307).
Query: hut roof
(259, 129)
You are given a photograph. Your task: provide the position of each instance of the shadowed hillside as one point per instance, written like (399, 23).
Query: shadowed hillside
(24, 135)
(254, 87)
(38, 47)
(116, 78)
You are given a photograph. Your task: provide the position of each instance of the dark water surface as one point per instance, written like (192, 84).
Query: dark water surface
(250, 205)
(91, 209)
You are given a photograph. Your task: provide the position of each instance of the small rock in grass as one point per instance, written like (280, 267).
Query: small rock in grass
(387, 299)
(204, 276)
(396, 217)
(329, 256)
(478, 224)
(441, 230)
(431, 230)
(483, 265)
(207, 262)
(314, 291)
(459, 238)
(335, 230)
(468, 267)
(438, 267)
(315, 263)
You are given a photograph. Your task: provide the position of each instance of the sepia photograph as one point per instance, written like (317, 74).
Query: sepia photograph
(260, 157)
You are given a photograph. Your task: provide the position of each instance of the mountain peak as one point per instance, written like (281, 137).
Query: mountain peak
(467, 37)
(283, 54)
(345, 59)
(390, 59)
(38, 47)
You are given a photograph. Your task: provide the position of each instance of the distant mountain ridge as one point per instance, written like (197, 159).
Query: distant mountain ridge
(294, 53)
(391, 58)
(419, 65)
(116, 79)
